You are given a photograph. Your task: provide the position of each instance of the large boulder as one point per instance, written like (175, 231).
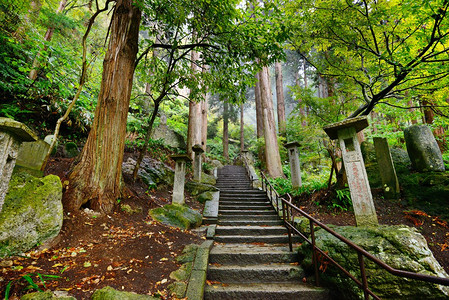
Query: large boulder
(423, 149)
(177, 215)
(401, 247)
(32, 212)
(48, 295)
(152, 172)
(171, 138)
(108, 293)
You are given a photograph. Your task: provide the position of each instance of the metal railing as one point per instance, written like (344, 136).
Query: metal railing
(286, 212)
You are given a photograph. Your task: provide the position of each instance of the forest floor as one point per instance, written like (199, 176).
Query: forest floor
(131, 252)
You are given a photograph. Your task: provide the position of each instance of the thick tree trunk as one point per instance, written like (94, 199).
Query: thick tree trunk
(280, 99)
(242, 130)
(194, 125)
(272, 156)
(225, 131)
(204, 110)
(95, 179)
(47, 38)
(259, 116)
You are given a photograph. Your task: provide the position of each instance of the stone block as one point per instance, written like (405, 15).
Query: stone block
(32, 154)
(423, 149)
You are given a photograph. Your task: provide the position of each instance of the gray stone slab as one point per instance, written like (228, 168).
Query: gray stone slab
(390, 183)
(211, 206)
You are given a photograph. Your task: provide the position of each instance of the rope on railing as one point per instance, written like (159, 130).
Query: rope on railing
(287, 216)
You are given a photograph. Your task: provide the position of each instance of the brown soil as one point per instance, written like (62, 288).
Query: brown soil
(434, 229)
(129, 252)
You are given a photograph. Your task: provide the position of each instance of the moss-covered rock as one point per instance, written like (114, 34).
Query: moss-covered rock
(178, 289)
(32, 212)
(401, 247)
(131, 210)
(177, 215)
(152, 172)
(71, 150)
(188, 254)
(208, 179)
(206, 196)
(196, 188)
(108, 293)
(46, 296)
(183, 273)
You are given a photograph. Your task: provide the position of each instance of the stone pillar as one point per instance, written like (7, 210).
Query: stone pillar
(197, 165)
(390, 183)
(12, 134)
(362, 200)
(180, 178)
(295, 168)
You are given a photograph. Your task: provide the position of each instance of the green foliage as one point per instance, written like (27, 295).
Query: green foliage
(30, 279)
(342, 200)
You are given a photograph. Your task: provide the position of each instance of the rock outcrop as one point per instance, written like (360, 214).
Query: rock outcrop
(401, 247)
(177, 215)
(32, 212)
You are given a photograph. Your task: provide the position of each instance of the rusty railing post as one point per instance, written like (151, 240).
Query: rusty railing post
(363, 273)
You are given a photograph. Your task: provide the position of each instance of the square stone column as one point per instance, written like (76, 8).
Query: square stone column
(197, 165)
(390, 183)
(180, 177)
(12, 134)
(362, 200)
(295, 168)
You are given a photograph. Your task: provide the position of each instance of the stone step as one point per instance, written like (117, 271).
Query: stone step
(248, 254)
(245, 206)
(250, 230)
(242, 197)
(247, 191)
(266, 239)
(255, 273)
(278, 291)
(243, 217)
(245, 222)
(239, 212)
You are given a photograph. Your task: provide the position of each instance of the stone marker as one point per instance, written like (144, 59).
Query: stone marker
(32, 154)
(197, 165)
(12, 134)
(423, 149)
(390, 183)
(362, 200)
(295, 168)
(180, 177)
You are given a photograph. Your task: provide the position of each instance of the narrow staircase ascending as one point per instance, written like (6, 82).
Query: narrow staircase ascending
(251, 257)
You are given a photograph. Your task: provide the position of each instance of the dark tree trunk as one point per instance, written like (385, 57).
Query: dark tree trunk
(225, 131)
(95, 179)
(280, 99)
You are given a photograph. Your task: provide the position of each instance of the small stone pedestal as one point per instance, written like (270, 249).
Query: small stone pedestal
(12, 134)
(197, 165)
(390, 183)
(362, 200)
(180, 178)
(295, 168)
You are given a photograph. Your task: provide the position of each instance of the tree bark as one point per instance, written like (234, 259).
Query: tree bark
(272, 156)
(280, 99)
(95, 179)
(194, 125)
(242, 130)
(259, 115)
(47, 38)
(204, 110)
(225, 131)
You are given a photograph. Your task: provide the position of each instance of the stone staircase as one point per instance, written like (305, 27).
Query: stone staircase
(251, 257)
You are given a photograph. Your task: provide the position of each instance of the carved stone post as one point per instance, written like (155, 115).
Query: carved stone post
(390, 183)
(180, 178)
(12, 134)
(197, 165)
(295, 168)
(362, 200)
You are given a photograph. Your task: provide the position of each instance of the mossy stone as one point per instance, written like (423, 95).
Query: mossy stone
(208, 179)
(183, 273)
(178, 289)
(108, 293)
(188, 254)
(177, 216)
(71, 150)
(401, 247)
(32, 212)
(131, 210)
(196, 188)
(45, 296)
(206, 196)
